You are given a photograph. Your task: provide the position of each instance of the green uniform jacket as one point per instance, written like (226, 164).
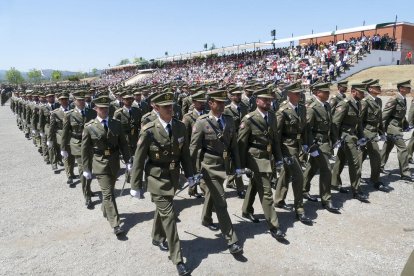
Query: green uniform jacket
(371, 114)
(73, 124)
(56, 125)
(335, 100)
(319, 119)
(231, 110)
(44, 117)
(347, 120)
(149, 117)
(164, 157)
(393, 116)
(291, 129)
(143, 106)
(259, 146)
(215, 153)
(101, 148)
(131, 123)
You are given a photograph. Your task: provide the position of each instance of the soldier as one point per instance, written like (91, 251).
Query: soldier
(393, 118)
(214, 134)
(150, 116)
(292, 134)
(187, 101)
(138, 102)
(44, 127)
(165, 143)
(347, 127)
(371, 114)
(247, 98)
(319, 120)
(73, 123)
(56, 129)
(88, 99)
(236, 109)
(342, 87)
(259, 150)
(102, 140)
(130, 118)
(189, 119)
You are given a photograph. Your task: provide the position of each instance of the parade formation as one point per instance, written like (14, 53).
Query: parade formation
(217, 135)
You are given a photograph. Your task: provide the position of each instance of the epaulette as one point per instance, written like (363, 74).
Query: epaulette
(148, 126)
(204, 116)
(69, 111)
(89, 123)
(346, 100)
(364, 99)
(226, 115)
(228, 106)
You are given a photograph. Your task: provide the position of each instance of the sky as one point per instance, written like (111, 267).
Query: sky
(80, 35)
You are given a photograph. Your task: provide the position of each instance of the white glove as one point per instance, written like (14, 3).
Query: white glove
(305, 148)
(190, 181)
(42, 134)
(337, 144)
(239, 172)
(383, 137)
(279, 164)
(129, 167)
(49, 144)
(34, 131)
(362, 142)
(137, 193)
(314, 153)
(87, 175)
(64, 153)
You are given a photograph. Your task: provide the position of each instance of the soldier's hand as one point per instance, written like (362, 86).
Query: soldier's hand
(337, 144)
(191, 181)
(34, 131)
(383, 137)
(305, 148)
(239, 172)
(314, 153)
(137, 193)
(128, 167)
(362, 142)
(64, 153)
(49, 144)
(279, 165)
(87, 175)
(42, 134)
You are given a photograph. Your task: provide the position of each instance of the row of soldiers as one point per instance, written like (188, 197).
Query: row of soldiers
(257, 130)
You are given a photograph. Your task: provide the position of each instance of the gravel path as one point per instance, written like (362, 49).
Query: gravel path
(46, 230)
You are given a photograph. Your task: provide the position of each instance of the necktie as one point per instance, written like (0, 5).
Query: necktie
(83, 113)
(405, 101)
(357, 104)
(296, 110)
(220, 124)
(238, 110)
(169, 130)
(265, 118)
(129, 111)
(326, 107)
(105, 125)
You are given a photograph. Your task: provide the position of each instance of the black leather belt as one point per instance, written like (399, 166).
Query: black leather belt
(77, 136)
(212, 152)
(106, 152)
(258, 146)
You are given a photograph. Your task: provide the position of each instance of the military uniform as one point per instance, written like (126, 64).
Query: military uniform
(347, 125)
(162, 147)
(319, 122)
(292, 134)
(73, 124)
(56, 129)
(259, 149)
(371, 114)
(237, 111)
(189, 120)
(131, 123)
(102, 140)
(217, 141)
(393, 118)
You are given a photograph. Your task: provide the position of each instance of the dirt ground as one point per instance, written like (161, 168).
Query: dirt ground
(46, 230)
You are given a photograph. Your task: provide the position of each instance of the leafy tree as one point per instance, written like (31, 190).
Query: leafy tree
(34, 75)
(94, 72)
(124, 61)
(56, 75)
(14, 76)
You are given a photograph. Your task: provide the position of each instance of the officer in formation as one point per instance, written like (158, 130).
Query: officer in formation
(257, 133)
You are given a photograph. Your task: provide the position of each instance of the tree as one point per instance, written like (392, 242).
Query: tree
(124, 61)
(56, 75)
(94, 72)
(14, 76)
(34, 75)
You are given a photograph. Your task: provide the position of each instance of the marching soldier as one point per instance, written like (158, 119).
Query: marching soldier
(138, 102)
(73, 123)
(393, 118)
(319, 121)
(189, 120)
(347, 126)
(371, 114)
(130, 118)
(260, 150)
(236, 109)
(56, 129)
(292, 134)
(334, 101)
(102, 140)
(165, 143)
(215, 135)
(44, 126)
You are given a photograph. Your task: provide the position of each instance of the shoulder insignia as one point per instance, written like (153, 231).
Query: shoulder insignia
(148, 126)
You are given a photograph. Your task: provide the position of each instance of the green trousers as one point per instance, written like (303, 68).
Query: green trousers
(260, 184)
(86, 183)
(108, 207)
(165, 227)
(372, 150)
(295, 171)
(402, 155)
(338, 167)
(319, 163)
(216, 197)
